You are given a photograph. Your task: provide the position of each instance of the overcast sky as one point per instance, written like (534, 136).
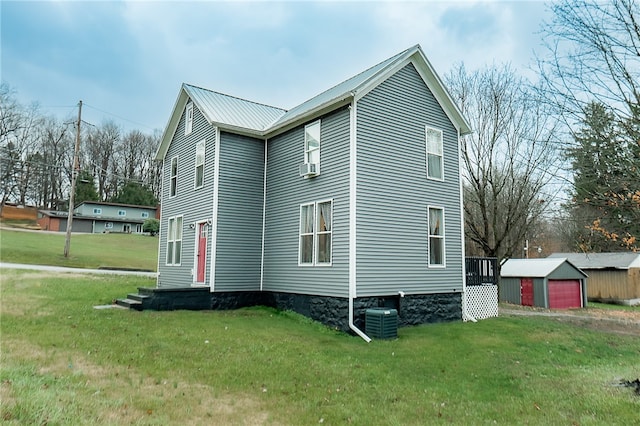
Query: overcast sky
(126, 60)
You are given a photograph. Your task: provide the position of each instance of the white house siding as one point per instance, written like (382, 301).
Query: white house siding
(241, 188)
(199, 202)
(286, 191)
(393, 191)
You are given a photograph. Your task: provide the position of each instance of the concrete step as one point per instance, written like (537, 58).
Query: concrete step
(130, 303)
(137, 296)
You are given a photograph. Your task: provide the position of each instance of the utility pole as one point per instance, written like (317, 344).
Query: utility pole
(74, 177)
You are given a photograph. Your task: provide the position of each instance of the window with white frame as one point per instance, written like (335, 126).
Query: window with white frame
(316, 229)
(199, 174)
(312, 143)
(173, 186)
(435, 218)
(97, 210)
(174, 240)
(435, 166)
(188, 119)
(122, 212)
(108, 225)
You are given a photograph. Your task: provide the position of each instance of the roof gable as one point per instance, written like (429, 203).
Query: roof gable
(261, 120)
(534, 268)
(622, 260)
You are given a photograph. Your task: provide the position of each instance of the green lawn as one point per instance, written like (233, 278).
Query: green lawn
(87, 250)
(64, 362)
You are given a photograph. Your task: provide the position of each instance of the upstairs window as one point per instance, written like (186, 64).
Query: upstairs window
(188, 119)
(173, 185)
(435, 219)
(435, 167)
(312, 143)
(122, 212)
(144, 215)
(316, 233)
(199, 174)
(97, 210)
(174, 240)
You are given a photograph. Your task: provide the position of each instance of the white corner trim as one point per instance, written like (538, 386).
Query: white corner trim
(214, 210)
(264, 213)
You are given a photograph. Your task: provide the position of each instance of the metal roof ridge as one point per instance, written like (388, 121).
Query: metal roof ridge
(233, 97)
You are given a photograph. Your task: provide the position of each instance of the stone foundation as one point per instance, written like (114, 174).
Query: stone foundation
(331, 311)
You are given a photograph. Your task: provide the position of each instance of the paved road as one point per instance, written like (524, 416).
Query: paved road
(5, 265)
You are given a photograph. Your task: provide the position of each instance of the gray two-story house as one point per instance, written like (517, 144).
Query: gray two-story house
(348, 201)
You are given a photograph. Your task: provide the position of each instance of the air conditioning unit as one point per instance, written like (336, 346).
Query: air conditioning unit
(309, 169)
(381, 323)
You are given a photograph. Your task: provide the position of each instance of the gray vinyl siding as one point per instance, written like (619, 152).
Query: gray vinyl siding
(509, 289)
(194, 204)
(240, 205)
(131, 213)
(286, 191)
(394, 193)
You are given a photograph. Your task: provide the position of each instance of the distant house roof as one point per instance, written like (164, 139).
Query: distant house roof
(533, 268)
(623, 260)
(255, 119)
(104, 203)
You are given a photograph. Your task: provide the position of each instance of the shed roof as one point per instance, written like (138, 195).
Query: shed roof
(533, 268)
(255, 119)
(622, 260)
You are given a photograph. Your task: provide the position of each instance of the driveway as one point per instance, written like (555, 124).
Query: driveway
(5, 265)
(617, 321)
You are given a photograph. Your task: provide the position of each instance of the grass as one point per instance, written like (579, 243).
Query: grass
(64, 362)
(87, 250)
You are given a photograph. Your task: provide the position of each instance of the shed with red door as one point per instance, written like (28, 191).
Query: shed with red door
(553, 283)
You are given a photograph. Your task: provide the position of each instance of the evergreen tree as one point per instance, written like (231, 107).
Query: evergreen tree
(135, 193)
(603, 163)
(85, 188)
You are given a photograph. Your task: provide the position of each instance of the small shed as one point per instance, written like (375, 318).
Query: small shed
(552, 283)
(613, 277)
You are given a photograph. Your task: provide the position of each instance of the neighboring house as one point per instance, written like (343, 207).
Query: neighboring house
(348, 201)
(99, 217)
(545, 283)
(613, 277)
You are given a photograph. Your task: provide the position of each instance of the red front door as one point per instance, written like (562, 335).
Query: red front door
(203, 229)
(526, 291)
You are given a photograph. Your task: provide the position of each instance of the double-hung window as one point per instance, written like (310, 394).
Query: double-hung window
(173, 186)
(174, 240)
(312, 143)
(316, 233)
(122, 212)
(435, 219)
(97, 210)
(188, 119)
(435, 166)
(199, 173)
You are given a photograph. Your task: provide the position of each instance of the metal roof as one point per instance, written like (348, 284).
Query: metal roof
(259, 120)
(230, 111)
(535, 268)
(622, 260)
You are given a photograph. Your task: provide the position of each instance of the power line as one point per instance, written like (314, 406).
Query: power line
(119, 117)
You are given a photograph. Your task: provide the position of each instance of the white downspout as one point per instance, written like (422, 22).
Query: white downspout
(352, 216)
(264, 214)
(465, 313)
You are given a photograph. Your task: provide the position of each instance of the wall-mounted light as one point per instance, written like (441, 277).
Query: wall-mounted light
(209, 222)
(192, 225)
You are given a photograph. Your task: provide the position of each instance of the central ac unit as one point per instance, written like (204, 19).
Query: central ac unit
(309, 169)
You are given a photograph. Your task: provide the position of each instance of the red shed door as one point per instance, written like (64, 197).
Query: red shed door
(565, 294)
(526, 291)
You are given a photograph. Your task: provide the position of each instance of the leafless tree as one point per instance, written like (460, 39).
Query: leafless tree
(593, 57)
(98, 151)
(593, 54)
(509, 160)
